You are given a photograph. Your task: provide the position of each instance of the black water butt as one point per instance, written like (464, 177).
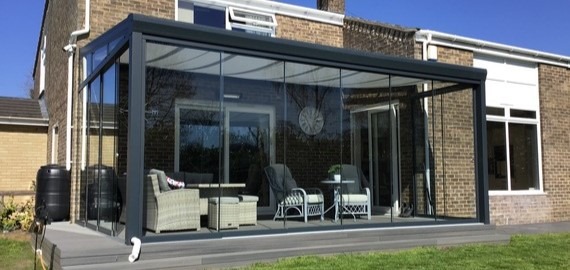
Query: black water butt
(53, 189)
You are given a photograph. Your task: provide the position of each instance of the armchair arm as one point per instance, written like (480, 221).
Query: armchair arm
(176, 199)
(314, 191)
(297, 192)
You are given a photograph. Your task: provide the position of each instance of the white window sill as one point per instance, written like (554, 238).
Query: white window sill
(516, 192)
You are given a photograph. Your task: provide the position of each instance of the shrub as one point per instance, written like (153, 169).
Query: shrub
(16, 216)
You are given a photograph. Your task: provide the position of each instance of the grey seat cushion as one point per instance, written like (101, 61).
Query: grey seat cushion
(162, 184)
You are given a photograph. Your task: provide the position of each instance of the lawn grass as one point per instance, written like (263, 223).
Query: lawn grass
(546, 251)
(15, 253)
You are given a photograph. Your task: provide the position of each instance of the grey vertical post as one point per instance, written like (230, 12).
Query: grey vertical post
(480, 127)
(135, 148)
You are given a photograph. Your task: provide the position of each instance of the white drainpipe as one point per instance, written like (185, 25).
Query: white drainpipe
(425, 43)
(70, 49)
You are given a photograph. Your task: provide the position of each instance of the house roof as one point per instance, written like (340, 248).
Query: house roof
(22, 111)
(370, 23)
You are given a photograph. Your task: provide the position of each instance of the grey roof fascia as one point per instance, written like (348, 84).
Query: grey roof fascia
(305, 51)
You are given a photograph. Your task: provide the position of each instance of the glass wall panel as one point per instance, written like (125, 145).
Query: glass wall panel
(457, 199)
(313, 138)
(183, 136)
(371, 141)
(103, 147)
(254, 120)
(109, 203)
(449, 186)
(93, 149)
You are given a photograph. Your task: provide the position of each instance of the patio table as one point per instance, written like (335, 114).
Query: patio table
(336, 195)
(213, 190)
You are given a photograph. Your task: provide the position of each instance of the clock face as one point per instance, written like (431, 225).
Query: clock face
(311, 120)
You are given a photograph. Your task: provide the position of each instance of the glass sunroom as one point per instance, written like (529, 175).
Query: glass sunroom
(190, 132)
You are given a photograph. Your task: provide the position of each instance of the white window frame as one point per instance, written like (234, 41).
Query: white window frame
(245, 23)
(43, 55)
(507, 119)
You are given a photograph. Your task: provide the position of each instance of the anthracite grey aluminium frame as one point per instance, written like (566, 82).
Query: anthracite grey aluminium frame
(137, 29)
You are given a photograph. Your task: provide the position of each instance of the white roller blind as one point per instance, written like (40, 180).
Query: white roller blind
(510, 83)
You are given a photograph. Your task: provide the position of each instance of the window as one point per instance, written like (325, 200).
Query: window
(215, 17)
(252, 22)
(43, 53)
(512, 146)
(230, 18)
(513, 130)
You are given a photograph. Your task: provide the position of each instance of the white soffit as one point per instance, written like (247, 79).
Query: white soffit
(491, 48)
(278, 8)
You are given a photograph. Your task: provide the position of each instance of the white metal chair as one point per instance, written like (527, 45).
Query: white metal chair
(306, 202)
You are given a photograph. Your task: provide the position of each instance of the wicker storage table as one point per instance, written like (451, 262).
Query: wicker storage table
(228, 215)
(248, 209)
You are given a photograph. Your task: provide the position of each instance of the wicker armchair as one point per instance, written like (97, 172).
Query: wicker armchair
(170, 210)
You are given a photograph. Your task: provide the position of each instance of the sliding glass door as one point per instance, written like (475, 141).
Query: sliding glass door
(376, 151)
(246, 144)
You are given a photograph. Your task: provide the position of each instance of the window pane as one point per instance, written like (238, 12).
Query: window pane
(524, 157)
(496, 150)
(495, 111)
(523, 114)
(210, 17)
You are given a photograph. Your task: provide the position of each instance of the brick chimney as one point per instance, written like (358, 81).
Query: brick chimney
(336, 6)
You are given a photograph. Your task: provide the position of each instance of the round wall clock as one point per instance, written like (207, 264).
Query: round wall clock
(311, 120)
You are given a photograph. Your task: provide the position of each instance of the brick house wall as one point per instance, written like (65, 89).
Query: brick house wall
(554, 204)
(309, 31)
(22, 155)
(58, 23)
